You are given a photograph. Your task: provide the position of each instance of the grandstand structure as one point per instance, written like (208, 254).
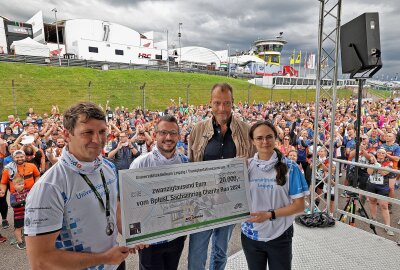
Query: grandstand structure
(284, 82)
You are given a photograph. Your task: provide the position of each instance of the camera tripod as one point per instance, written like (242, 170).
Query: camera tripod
(351, 208)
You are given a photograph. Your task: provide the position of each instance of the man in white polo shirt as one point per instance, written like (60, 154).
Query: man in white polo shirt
(72, 215)
(166, 254)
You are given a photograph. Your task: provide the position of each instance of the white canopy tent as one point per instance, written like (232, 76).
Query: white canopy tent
(30, 47)
(199, 55)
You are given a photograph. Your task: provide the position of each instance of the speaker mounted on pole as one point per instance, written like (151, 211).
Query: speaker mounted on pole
(360, 46)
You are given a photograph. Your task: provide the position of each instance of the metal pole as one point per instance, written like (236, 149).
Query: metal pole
(229, 68)
(317, 97)
(270, 99)
(133, 99)
(336, 201)
(358, 131)
(299, 74)
(167, 52)
(306, 93)
(180, 47)
(143, 96)
(334, 102)
(187, 94)
(248, 95)
(89, 93)
(305, 65)
(58, 42)
(14, 98)
(265, 67)
(294, 59)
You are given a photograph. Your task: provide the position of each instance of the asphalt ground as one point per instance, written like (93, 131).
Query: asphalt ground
(12, 258)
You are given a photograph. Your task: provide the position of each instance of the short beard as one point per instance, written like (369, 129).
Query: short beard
(173, 149)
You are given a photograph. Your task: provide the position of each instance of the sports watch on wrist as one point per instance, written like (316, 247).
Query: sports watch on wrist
(273, 217)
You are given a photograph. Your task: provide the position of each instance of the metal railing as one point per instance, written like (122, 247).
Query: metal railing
(48, 61)
(340, 187)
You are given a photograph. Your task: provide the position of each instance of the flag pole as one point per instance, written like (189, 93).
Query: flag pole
(298, 75)
(293, 56)
(305, 65)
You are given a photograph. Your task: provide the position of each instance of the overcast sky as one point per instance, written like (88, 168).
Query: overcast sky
(214, 24)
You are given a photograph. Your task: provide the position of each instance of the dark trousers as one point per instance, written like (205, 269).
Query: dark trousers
(4, 206)
(277, 253)
(162, 256)
(121, 266)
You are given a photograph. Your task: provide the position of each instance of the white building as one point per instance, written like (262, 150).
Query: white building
(84, 39)
(105, 41)
(3, 39)
(99, 40)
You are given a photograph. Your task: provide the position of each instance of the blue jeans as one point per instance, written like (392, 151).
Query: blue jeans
(198, 246)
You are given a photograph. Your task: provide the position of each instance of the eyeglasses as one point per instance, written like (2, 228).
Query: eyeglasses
(286, 139)
(266, 138)
(171, 133)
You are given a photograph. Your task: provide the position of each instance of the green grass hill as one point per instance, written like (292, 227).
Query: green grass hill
(41, 87)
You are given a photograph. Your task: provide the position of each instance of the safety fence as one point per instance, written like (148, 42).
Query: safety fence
(355, 209)
(105, 65)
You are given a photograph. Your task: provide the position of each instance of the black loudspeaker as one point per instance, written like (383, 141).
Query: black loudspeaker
(360, 46)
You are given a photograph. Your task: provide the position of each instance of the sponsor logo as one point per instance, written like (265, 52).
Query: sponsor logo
(144, 55)
(238, 205)
(76, 164)
(192, 217)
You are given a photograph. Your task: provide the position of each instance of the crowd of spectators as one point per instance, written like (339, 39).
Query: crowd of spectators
(131, 133)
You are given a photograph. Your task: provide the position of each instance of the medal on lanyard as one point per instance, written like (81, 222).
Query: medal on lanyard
(110, 225)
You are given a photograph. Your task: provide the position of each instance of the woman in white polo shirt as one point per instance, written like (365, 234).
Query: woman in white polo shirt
(277, 190)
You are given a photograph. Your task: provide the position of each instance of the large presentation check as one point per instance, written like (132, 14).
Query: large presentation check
(161, 203)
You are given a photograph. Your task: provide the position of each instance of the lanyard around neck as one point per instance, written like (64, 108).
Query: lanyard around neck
(97, 194)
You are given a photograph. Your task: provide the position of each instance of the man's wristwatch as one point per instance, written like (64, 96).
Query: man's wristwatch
(273, 217)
